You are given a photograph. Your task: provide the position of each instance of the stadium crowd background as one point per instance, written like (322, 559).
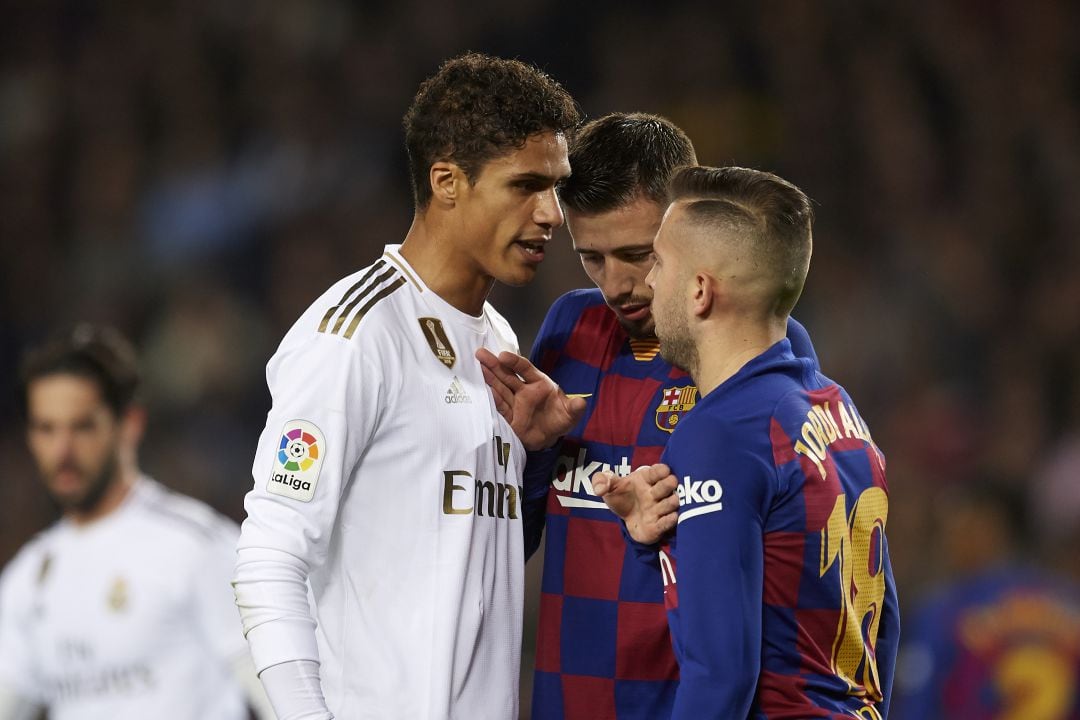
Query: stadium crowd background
(196, 173)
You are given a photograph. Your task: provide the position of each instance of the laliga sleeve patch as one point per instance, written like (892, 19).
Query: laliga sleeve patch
(298, 461)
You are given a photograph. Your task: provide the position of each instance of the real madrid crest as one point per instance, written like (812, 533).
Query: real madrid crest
(438, 341)
(674, 403)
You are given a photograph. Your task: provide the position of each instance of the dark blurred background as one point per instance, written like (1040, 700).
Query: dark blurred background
(196, 173)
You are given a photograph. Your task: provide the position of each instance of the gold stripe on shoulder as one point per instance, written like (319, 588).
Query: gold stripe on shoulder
(405, 269)
(371, 303)
(348, 293)
(390, 272)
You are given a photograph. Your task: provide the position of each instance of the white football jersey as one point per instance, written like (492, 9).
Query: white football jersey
(386, 478)
(127, 617)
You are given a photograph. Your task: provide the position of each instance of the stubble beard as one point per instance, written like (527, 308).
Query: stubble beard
(95, 491)
(677, 345)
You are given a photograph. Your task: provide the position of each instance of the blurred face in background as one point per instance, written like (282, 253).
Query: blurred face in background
(75, 439)
(615, 248)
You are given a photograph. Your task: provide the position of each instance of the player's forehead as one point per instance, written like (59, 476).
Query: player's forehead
(543, 157)
(629, 227)
(63, 395)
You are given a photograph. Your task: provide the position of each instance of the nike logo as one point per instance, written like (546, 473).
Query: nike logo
(579, 395)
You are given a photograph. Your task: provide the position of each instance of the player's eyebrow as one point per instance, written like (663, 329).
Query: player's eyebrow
(622, 249)
(536, 177)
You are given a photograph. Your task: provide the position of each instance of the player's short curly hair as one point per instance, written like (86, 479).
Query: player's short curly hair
(476, 108)
(99, 354)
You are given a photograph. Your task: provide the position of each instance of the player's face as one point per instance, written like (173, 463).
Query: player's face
(615, 248)
(507, 216)
(74, 438)
(668, 281)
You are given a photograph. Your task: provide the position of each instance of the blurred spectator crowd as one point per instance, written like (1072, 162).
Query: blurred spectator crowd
(197, 172)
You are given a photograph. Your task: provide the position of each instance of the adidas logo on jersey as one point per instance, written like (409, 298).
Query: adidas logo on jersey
(456, 394)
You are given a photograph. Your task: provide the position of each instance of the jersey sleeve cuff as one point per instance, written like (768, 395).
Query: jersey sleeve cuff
(282, 640)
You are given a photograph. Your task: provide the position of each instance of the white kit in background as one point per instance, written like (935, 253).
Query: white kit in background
(127, 617)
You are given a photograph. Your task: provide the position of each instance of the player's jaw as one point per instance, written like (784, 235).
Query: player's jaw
(78, 488)
(519, 259)
(634, 313)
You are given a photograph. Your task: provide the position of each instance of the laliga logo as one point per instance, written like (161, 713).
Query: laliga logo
(298, 451)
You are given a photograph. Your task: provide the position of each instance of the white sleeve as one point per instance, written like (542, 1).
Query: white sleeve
(296, 691)
(327, 397)
(18, 661)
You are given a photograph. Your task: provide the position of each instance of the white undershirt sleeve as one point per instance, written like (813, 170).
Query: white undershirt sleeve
(295, 691)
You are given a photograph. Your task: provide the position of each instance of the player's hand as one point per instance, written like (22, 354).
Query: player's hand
(534, 405)
(645, 500)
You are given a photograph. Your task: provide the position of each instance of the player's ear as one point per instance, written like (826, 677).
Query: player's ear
(446, 180)
(703, 294)
(133, 424)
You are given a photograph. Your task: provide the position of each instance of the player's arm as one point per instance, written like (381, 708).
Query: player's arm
(888, 639)
(801, 345)
(214, 607)
(20, 697)
(536, 479)
(330, 391)
(535, 483)
(725, 491)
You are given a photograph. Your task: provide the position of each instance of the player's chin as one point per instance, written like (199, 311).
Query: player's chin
(518, 274)
(644, 329)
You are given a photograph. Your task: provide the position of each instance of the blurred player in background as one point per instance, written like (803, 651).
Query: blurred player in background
(1002, 638)
(777, 582)
(603, 646)
(121, 610)
(385, 478)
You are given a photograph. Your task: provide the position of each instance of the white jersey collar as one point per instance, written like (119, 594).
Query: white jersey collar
(445, 310)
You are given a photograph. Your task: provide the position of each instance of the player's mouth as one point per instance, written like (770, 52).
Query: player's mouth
(67, 479)
(635, 312)
(532, 250)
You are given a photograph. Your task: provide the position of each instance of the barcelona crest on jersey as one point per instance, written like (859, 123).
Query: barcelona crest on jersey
(674, 403)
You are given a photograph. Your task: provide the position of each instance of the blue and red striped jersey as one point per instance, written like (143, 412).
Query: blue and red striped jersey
(778, 584)
(1002, 644)
(603, 646)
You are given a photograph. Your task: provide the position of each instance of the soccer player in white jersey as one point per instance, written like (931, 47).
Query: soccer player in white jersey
(121, 610)
(385, 479)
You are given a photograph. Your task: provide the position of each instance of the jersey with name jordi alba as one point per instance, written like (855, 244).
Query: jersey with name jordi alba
(388, 480)
(778, 583)
(130, 616)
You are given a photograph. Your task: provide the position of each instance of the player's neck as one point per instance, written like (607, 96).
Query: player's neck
(111, 499)
(447, 273)
(723, 349)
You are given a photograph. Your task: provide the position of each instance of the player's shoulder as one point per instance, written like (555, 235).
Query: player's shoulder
(568, 306)
(30, 563)
(353, 312)
(566, 312)
(181, 517)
